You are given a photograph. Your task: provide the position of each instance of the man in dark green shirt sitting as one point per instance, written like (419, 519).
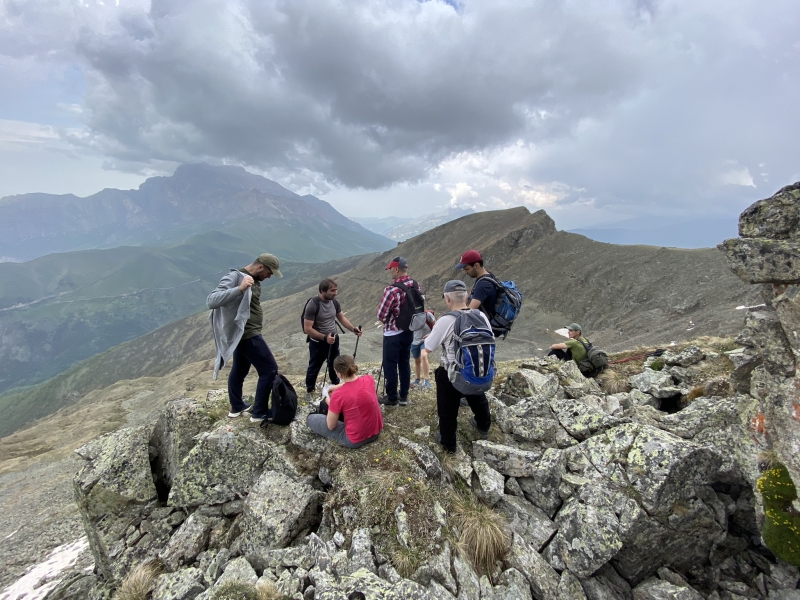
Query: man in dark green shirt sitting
(573, 348)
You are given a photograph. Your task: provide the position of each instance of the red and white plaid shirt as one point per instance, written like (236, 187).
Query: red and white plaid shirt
(393, 298)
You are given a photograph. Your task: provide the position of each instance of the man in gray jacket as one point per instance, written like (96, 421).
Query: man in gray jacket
(236, 321)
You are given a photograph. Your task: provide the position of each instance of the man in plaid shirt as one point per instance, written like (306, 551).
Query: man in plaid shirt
(396, 341)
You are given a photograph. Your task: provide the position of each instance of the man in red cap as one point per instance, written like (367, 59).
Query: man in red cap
(397, 337)
(484, 292)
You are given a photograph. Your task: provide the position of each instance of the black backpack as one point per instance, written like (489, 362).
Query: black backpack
(284, 402)
(595, 362)
(315, 300)
(412, 310)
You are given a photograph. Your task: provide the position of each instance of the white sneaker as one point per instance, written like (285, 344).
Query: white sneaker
(233, 414)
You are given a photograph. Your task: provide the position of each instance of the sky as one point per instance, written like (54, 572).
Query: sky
(595, 111)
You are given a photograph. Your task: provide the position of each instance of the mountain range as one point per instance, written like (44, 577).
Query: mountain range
(403, 228)
(674, 232)
(624, 296)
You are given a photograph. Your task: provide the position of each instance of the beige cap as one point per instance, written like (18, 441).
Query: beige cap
(271, 261)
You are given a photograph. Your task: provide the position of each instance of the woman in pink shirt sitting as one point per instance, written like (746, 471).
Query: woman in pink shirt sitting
(356, 400)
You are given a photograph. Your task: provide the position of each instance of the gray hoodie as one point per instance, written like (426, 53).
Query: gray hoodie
(230, 309)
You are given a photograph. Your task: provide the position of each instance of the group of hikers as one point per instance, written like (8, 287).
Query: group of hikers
(350, 410)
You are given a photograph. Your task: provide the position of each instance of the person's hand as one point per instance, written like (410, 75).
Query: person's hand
(330, 338)
(333, 387)
(358, 331)
(247, 281)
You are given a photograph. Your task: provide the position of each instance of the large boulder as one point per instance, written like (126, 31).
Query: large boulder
(776, 217)
(584, 417)
(277, 509)
(507, 460)
(658, 384)
(761, 260)
(222, 466)
(531, 420)
(764, 334)
(786, 301)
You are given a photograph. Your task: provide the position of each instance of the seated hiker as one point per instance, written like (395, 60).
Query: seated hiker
(356, 399)
(572, 349)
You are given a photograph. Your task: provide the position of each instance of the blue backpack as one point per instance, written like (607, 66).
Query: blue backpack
(507, 307)
(474, 369)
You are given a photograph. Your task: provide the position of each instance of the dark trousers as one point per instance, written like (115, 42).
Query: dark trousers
(319, 352)
(448, 400)
(252, 351)
(561, 354)
(396, 354)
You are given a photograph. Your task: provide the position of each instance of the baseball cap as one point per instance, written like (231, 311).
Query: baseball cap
(454, 285)
(469, 257)
(270, 261)
(399, 262)
(574, 327)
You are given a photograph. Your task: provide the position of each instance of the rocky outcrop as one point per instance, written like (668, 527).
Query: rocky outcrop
(768, 253)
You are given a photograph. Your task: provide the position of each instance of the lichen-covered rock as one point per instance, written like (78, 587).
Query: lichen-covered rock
(187, 542)
(584, 417)
(542, 578)
(111, 489)
(781, 531)
(527, 382)
(236, 571)
(174, 435)
(221, 467)
(542, 487)
(424, 457)
(277, 509)
(437, 568)
(569, 587)
(489, 485)
(370, 585)
(691, 355)
(185, 584)
(360, 553)
(761, 260)
(574, 383)
(658, 589)
(764, 333)
(658, 384)
(469, 586)
(786, 301)
(510, 584)
(507, 460)
(527, 520)
(776, 217)
(744, 361)
(531, 420)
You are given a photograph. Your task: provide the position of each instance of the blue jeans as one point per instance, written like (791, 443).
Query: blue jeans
(252, 351)
(319, 425)
(396, 354)
(319, 352)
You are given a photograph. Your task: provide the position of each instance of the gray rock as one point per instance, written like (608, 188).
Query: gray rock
(221, 467)
(639, 398)
(531, 420)
(507, 460)
(658, 384)
(437, 590)
(488, 484)
(174, 435)
(360, 554)
(389, 573)
(764, 334)
(527, 382)
(437, 568)
(424, 457)
(237, 571)
(542, 488)
(574, 383)
(776, 217)
(185, 584)
(512, 488)
(466, 578)
(187, 542)
(584, 417)
(542, 578)
(761, 260)
(401, 520)
(511, 584)
(744, 361)
(373, 587)
(691, 355)
(657, 589)
(569, 587)
(786, 301)
(527, 520)
(277, 509)
(325, 476)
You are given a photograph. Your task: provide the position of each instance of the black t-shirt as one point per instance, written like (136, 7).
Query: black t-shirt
(485, 291)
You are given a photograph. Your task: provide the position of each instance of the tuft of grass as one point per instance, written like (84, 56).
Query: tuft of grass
(613, 381)
(657, 365)
(235, 591)
(406, 560)
(696, 392)
(266, 590)
(139, 582)
(484, 536)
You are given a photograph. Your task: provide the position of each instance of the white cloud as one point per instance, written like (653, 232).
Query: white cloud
(739, 176)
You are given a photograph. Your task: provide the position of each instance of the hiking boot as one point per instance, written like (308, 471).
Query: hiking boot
(438, 440)
(386, 401)
(235, 413)
(483, 434)
(404, 401)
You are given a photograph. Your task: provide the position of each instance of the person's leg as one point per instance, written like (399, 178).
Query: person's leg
(447, 403)
(480, 408)
(417, 367)
(333, 351)
(391, 357)
(262, 359)
(561, 354)
(316, 358)
(319, 425)
(239, 370)
(403, 361)
(426, 368)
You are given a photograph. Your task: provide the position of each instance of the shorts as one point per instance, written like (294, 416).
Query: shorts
(416, 350)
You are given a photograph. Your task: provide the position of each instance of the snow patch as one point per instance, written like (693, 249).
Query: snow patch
(42, 578)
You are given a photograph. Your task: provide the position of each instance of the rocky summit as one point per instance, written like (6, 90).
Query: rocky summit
(638, 485)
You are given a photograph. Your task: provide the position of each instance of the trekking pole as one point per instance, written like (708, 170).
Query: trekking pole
(378, 383)
(327, 364)
(358, 337)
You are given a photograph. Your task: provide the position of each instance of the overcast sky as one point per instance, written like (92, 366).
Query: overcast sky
(595, 111)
